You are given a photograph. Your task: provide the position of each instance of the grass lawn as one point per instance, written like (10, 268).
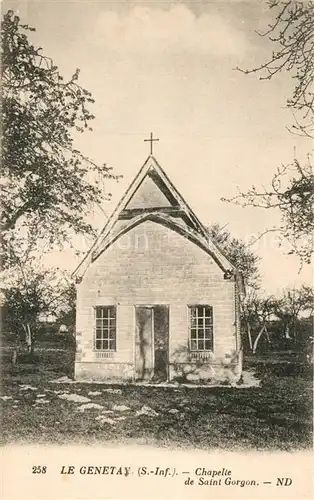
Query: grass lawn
(275, 416)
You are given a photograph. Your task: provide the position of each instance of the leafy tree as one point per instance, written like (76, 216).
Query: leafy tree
(293, 304)
(246, 261)
(291, 189)
(238, 253)
(30, 292)
(67, 313)
(33, 290)
(48, 185)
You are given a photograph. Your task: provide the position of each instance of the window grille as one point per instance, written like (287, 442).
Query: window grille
(200, 328)
(105, 331)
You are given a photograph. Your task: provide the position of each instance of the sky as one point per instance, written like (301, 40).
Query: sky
(169, 68)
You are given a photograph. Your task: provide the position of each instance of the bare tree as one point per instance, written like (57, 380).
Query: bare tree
(292, 35)
(256, 313)
(291, 190)
(292, 193)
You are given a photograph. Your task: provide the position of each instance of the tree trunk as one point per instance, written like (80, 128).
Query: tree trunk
(287, 331)
(28, 337)
(294, 331)
(248, 328)
(257, 338)
(14, 357)
(267, 335)
(32, 339)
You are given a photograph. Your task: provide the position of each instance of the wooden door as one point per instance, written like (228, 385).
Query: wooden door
(161, 342)
(144, 343)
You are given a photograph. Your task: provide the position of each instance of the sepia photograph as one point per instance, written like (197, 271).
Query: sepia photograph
(157, 235)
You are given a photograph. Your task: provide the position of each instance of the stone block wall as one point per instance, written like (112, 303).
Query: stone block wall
(152, 264)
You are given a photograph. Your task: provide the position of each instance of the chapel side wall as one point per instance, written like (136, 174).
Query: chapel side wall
(152, 264)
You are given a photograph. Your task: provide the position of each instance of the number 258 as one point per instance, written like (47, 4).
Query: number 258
(39, 469)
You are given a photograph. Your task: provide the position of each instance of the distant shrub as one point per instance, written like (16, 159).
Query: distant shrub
(284, 369)
(27, 358)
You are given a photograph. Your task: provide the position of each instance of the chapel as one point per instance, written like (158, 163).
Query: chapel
(157, 301)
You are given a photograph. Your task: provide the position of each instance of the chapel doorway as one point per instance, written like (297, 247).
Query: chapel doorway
(151, 342)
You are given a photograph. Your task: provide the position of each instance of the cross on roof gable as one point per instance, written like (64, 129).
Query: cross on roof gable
(151, 193)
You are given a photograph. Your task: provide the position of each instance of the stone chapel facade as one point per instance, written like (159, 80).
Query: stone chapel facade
(157, 301)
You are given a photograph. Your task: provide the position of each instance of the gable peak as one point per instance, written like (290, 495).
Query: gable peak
(151, 190)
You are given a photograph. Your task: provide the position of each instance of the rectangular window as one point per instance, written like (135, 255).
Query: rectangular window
(105, 330)
(201, 328)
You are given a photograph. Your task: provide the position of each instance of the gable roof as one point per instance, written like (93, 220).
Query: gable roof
(152, 196)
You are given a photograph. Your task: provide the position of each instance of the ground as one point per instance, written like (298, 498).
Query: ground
(275, 416)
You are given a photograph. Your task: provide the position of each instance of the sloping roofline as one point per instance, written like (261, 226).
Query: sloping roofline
(151, 164)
